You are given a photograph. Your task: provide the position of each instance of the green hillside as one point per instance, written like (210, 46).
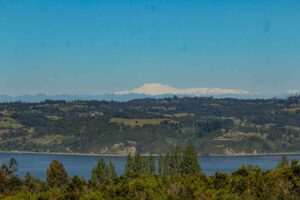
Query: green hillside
(213, 126)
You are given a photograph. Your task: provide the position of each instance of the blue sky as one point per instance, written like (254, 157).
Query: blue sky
(94, 47)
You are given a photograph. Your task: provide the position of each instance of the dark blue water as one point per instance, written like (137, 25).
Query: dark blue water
(37, 164)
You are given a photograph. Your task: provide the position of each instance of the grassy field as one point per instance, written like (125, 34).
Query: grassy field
(49, 139)
(9, 123)
(4, 131)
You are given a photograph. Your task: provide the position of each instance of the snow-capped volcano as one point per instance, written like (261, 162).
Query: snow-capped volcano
(154, 89)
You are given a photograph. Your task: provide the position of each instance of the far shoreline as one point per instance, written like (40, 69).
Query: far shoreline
(155, 155)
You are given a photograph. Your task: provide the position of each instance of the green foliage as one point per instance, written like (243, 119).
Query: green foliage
(96, 195)
(146, 187)
(9, 182)
(99, 173)
(284, 161)
(10, 169)
(52, 193)
(175, 161)
(129, 165)
(31, 184)
(214, 126)
(112, 171)
(178, 162)
(220, 180)
(182, 182)
(75, 188)
(151, 164)
(139, 165)
(188, 187)
(247, 180)
(56, 174)
(103, 173)
(189, 163)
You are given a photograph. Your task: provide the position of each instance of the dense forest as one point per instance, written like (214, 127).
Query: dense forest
(213, 126)
(176, 176)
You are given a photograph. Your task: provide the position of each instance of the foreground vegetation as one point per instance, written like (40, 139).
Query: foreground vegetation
(176, 175)
(214, 126)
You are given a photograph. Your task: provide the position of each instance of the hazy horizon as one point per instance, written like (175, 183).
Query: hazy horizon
(158, 89)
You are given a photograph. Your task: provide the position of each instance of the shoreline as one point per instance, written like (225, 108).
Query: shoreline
(155, 155)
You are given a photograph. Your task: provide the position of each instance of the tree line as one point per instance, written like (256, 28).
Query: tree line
(176, 175)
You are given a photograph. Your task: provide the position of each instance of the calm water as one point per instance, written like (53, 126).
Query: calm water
(37, 164)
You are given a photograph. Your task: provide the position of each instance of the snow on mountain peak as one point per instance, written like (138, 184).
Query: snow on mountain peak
(154, 89)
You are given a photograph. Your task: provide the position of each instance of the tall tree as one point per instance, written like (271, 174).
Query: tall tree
(8, 179)
(99, 173)
(130, 165)
(175, 160)
(284, 161)
(13, 166)
(190, 164)
(164, 165)
(161, 165)
(112, 171)
(56, 174)
(151, 164)
(10, 169)
(139, 163)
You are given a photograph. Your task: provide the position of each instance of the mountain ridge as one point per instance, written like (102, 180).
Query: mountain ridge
(151, 90)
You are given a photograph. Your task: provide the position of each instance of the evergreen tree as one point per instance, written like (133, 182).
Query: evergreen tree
(8, 178)
(13, 166)
(129, 168)
(99, 173)
(139, 164)
(190, 164)
(284, 161)
(28, 182)
(164, 165)
(10, 169)
(112, 171)
(56, 174)
(75, 188)
(146, 169)
(103, 173)
(161, 165)
(175, 160)
(151, 165)
(167, 165)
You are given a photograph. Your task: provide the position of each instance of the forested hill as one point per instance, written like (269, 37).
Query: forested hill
(214, 126)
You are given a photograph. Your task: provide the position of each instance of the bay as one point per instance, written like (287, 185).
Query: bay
(82, 165)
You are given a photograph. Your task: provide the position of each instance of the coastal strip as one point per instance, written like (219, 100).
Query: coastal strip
(147, 154)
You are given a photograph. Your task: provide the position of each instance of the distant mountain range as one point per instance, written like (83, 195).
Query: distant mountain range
(150, 90)
(42, 97)
(154, 89)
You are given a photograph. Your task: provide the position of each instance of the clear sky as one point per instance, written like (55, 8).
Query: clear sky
(94, 47)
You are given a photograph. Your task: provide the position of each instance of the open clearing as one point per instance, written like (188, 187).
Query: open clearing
(9, 123)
